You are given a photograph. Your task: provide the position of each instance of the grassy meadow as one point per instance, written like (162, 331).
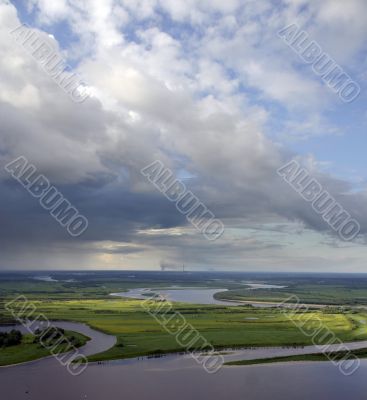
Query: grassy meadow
(242, 326)
(85, 297)
(29, 351)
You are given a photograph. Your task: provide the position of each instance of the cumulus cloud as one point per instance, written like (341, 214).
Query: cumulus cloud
(194, 84)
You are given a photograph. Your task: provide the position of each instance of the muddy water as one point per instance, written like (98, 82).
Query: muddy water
(180, 378)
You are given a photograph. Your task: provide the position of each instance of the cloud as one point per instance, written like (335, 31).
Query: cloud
(194, 84)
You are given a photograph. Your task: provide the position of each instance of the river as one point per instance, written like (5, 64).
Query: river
(179, 377)
(194, 295)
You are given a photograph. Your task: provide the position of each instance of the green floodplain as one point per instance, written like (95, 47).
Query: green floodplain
(362, 353)
(29, 349)
(86, 298)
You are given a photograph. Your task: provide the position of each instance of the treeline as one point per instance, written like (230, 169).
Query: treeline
(11, 338)
(49, 335)
(55, 336)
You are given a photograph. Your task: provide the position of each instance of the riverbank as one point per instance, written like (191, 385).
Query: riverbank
(360, 353)
(29, 351)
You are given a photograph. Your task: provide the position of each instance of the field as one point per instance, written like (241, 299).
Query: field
(86, 299)
(306, 293)
(29, 351)
(336, 289)
(140, 334)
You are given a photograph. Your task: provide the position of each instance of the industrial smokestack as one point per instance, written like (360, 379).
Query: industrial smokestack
(172, 266)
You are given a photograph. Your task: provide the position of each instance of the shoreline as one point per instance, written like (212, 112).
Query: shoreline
(87, 339)
(299, 358)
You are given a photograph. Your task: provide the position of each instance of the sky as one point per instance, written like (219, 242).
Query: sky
(210, 89)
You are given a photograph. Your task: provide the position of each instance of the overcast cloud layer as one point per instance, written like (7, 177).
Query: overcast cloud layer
(208, 88)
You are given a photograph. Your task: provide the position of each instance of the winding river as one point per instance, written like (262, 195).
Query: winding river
(99, 341)
(180, 377)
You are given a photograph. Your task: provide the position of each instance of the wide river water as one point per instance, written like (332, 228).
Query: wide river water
(186, 295)
(179, 377)
(194, 295)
